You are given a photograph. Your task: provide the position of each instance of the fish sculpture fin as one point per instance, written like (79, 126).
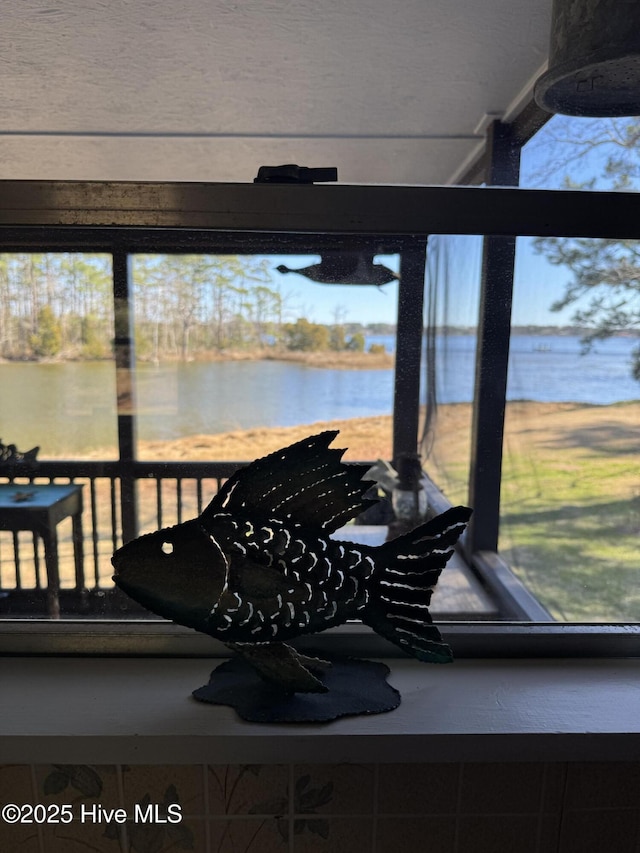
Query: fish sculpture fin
(411, 566)
(283, 666)
(306, 482)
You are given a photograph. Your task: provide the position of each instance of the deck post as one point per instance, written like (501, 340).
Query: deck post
(125, 388)
(406, 399)
(492, 355)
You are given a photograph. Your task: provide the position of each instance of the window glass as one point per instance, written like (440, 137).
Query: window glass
(569, 511)
(453, 292)
(235, 359)
(57, 373)
(570, 498)
(56, 355)
(233, 356)
(570, 152)
(231, 359)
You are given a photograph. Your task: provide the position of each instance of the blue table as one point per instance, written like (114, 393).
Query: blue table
(40, 509)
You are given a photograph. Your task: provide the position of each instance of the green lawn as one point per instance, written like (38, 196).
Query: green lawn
(570, 509)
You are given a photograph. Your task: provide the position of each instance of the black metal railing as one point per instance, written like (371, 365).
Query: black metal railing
(165, 493)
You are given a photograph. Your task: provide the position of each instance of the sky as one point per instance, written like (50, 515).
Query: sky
(557, 151)
(566, 148)
(537, 286)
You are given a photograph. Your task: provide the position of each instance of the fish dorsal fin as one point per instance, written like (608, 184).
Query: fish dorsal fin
(306, 482)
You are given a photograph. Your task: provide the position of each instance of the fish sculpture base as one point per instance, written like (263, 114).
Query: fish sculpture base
(353, 687)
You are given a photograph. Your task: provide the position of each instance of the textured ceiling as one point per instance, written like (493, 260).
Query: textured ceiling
(389, 91)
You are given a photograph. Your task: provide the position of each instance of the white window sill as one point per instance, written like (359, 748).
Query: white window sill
(140, 711)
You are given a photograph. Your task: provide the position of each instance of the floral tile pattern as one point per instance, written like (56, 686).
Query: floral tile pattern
(161, 783)
(334, 789)
(331, 808)
(258, 835)
(333, 835)
(248, 789)
(75, 783)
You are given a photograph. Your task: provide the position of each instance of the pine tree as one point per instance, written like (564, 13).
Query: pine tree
(46, 342)
(605, 283)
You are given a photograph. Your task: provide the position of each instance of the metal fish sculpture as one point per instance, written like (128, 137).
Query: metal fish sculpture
(257, 568)
(343, 267)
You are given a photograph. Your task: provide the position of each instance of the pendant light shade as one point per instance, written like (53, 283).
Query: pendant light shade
(594, 59)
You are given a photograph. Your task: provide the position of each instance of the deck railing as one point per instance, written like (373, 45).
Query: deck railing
(164, 493)
(118, 496)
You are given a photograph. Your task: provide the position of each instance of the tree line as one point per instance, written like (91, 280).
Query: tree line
(60, 305)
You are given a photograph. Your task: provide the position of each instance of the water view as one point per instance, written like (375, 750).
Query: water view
(545, 368)
(69, 407)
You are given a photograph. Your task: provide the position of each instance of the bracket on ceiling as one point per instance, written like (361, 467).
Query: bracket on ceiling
(292, 174)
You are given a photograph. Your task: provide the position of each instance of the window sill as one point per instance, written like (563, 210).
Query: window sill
(140, 711)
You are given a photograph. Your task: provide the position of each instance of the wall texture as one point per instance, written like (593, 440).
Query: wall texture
(343, 808)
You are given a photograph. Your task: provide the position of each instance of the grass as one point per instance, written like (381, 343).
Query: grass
(570, 505)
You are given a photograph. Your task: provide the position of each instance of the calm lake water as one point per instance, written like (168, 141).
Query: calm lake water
(549, 368)
(71, 407)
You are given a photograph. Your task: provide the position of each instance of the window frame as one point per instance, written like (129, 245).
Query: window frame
(126, 218)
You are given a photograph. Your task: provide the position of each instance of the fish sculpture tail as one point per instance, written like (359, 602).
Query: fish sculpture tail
(408, 570)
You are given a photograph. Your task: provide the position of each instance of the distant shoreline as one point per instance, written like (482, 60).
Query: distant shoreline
(327, 359)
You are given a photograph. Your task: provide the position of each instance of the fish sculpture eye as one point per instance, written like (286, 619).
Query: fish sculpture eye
(167, 548)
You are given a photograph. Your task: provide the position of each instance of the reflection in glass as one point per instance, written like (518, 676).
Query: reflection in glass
(57, 373)
(453, 292)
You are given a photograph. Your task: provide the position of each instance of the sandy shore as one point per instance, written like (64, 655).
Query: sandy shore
(608, 429)
(543, 444)
(365, 438)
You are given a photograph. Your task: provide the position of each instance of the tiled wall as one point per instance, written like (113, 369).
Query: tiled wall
(386, 808)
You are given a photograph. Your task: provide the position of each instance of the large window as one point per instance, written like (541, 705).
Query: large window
(235, 358)
(213, 361)
(203, 349)
(570, 489)
(569, 507)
